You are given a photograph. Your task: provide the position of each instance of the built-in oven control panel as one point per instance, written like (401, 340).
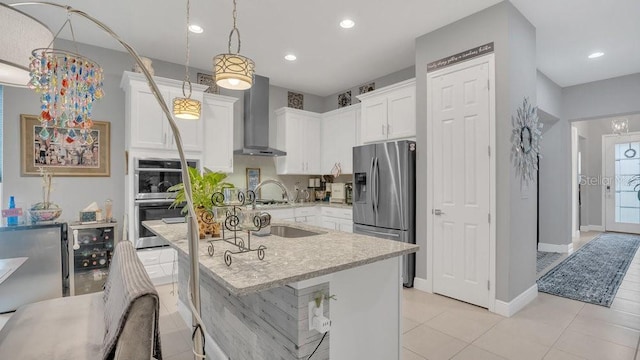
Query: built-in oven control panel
(153, 177)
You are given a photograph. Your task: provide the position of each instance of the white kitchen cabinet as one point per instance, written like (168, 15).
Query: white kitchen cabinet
(389, 113)
(339, 138)
(298, 133)
(337, 218)
(281, 214)
(217, 115)
(307, 215)
(146, 125)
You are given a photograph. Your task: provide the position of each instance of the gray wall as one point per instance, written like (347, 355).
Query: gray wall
(555, 226)
(514, 40)
(598, 99)
(74, 193)
(549, 95)
(593, 166)
(595, 100)
(331, 101)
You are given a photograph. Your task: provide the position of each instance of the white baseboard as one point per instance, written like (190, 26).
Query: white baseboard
(592, 228)
(422, 284)
(509, 309)
(564, 249)
(211, 347)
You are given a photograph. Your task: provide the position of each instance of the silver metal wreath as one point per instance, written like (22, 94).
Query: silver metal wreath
(525, 136)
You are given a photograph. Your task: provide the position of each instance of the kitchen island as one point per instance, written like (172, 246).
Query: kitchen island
(257, 309)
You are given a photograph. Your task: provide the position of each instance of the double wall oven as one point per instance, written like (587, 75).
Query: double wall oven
(152, 179)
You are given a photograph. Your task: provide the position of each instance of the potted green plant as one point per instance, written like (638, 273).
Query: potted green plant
(202, 187)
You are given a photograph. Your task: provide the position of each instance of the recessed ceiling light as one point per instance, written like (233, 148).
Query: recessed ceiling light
(596, 55)
(196, 29)
(347, 23)
(290, 57)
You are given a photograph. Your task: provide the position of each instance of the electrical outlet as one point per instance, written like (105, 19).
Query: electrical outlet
(313, 311)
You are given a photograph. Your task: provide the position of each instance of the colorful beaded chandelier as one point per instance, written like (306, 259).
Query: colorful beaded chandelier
(68, 85)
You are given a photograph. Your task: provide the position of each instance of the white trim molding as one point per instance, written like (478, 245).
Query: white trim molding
(587, 228)
(563, 249)
(422, 285)
(510, 308)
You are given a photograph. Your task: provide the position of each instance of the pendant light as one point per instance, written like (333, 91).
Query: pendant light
(186, 107)
(233, 71)
(19, 35)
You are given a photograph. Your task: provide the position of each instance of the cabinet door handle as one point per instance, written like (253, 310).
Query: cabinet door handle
(388, 129)
(382, 129)
(230, 162)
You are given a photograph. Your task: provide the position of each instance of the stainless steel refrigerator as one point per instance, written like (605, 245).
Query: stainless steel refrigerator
(384, 184)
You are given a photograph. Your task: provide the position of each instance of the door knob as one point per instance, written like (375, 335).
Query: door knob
(438, 212)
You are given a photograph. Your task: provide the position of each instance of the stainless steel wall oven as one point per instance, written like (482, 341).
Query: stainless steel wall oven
(152, 178)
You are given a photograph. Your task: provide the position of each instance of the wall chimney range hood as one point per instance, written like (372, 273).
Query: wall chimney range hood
(256, 120)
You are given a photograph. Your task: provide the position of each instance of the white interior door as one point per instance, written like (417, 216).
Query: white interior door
(622, 162)
(461, 181)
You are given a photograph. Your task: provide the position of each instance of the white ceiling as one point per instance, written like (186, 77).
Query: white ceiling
(331, 59)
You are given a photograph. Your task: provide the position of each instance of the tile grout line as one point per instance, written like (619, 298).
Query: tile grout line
(562, 333)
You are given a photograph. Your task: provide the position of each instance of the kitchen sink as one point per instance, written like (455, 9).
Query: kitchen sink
(291, 232)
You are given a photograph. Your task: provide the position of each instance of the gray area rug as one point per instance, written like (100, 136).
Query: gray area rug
(545, 259)
(593, 273)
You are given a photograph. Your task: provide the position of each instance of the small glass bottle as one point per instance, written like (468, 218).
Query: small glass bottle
(108, 209)
(12, 220)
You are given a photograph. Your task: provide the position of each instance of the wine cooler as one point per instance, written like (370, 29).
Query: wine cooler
(91, 247)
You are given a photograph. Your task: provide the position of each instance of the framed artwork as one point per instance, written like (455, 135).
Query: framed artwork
(344, 99)
(60, 156)
(295, 100)
(253, 179)
(367, 87)
(206, 79)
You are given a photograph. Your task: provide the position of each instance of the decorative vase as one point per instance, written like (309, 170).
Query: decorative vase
(207, 224)
(41, 212)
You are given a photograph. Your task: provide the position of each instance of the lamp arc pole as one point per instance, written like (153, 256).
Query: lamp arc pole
(193, 229)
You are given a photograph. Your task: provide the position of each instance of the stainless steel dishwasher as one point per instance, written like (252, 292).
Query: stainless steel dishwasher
(40, 277)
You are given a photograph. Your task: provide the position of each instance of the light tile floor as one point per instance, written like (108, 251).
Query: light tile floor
(551, 327)
(436, 327)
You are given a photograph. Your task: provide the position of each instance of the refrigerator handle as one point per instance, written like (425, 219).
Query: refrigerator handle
(376, 175)
(372, 185)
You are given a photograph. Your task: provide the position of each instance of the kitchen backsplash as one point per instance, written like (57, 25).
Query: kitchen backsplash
(268, 171)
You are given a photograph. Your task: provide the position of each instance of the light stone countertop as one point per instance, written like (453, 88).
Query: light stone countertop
(286, 260)
(304, 204)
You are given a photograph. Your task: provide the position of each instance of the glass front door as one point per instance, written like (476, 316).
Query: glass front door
(622, 183)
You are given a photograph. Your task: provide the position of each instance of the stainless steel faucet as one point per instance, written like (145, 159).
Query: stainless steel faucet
(285, 192)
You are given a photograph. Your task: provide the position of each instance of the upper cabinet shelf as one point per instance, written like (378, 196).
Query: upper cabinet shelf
(389, 113)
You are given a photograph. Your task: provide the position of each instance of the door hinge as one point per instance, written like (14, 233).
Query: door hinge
(489, 150)
(488, 285)
(489, 218)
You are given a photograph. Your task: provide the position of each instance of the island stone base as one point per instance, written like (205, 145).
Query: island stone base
(271, 324)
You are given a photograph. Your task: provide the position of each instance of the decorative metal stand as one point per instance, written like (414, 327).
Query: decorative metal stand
(234, 225)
